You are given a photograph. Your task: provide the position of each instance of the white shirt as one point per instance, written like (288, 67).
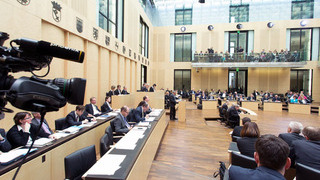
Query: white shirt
(29, 139)
(95, 110)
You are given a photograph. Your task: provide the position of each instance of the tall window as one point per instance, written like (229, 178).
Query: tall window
(182, 79)
(183, 47)
(239, 13)
(143, 74)
(302, 9)
(144, 38)
(301, 80)
(183, 16)
(111, 17)
(300, 41)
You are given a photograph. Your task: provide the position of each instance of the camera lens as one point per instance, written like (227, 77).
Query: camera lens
(72, 89)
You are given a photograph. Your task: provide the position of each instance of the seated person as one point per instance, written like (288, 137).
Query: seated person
(105, 108)
(153, 88)
(240, 98)
(251, 98)
(23, 133)
(249, 135)
(92, 108)
(302, 98)
(111, 92)
(118, 90)
(37, 120)
(265, 98)
(276, 98)
(124, 91)
(294, 100)
(76, 117)
(307, 152)
(236, 131)
(146, 99)
(272, 160)
(230, 97)
(294, 130)
(140, 112)
(5, 145)
(120, 122)
(233, 115)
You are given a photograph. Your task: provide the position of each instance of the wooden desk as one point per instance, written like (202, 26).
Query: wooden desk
(299, 108)
(53, 166)
(209, 104)
(182, 111)
(252, 105)
(272, 106)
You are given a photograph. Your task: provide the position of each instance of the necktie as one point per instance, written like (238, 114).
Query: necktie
(45, 128)
(125, 122)
(77, 118)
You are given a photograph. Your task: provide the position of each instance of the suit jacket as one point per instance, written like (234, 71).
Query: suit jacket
(110, 93)
(172, 100)
(119, 124)
(276, 99)
(19, 138)
(246, 145)
(5, 145)
(117, 92)
(290, 137)
(251, 98)
(144, 89)
(35, 122)
(105, 108)
(236, 131)
(306, 152)
(260, 173)
(151, 89)
(89, 108)
(124, 92)
(72, 120)
(138, 115)
(233, 114)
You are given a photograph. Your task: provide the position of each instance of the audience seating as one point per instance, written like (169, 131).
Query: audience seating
(60, 124)
(104, 144)
(77, 163)
(304, 172)
(243, 161)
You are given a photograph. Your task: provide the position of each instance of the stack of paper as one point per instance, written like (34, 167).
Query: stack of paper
(72, 129)
(41, 142)
(102, 117)
(113, 114)
(59, 135)
(107, 165)
(143, 124)
(13, 155)
(150, 119)
(89, 124)
(129, 141)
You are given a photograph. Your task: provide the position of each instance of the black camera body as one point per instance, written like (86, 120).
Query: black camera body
(33, 93)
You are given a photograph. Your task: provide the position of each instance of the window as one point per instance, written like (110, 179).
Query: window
(182, 79)
(111, 17)
(302, 9)
(144, 38)
(183, 47)
(238, 40)
(301, 80)
(300, 41)
(143, 74)
(183, 16)
(239, 13)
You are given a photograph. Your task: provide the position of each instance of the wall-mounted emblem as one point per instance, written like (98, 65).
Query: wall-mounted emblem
(135, 55)
(95, 33)
(107, 40)
(79, 25)
(24, 2)
(123, 49)
(129, 52)
(116, 45)
(56, 11)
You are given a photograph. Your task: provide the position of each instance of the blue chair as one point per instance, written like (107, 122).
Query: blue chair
(304, 172)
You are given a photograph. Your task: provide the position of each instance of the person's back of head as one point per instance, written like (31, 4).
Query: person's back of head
(80, 108)
(250, 129)
(272, 152)
(245, 120)
(311, 133)
(295, 127)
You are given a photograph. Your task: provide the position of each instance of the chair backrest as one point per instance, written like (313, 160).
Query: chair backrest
(235, 138)
(243, 161)
(304, 172)
(130, 117)
(110, 134)
(60, 124)
(104, 144)
(112, 125)
(79, 162)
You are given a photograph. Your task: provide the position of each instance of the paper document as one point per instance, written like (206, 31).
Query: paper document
(129, 141)
(107, 165)
(143, 124)
(89, 124)
(102, 117)
(113, 114)
(41, 142)
(150, 119)
(59, 135)
(72, 129)
(154, 113)
(13, 155)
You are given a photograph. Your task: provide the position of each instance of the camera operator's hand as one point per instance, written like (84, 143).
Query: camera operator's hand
(85, 121)
(25, 127)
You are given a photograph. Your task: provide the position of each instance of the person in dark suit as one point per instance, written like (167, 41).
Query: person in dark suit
(271, 157)
(172, 103)
(237, 130)
(105, 108)
(307, 152)
(166, 100)
(293, 134)
(92, 108)
(124, 91)
(251, 98)
(249, 135)
(120, 123)
(118, 90)
(146, 99)
(111, 92)
(23, 133)
(140, 112)
(36, 121)
(5, 145)
(276, 98)
(76, 117)
(145, 87)
(233, 115)
(153, 88)
(265, 98)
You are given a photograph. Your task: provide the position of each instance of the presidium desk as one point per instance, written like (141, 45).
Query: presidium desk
(48, 162)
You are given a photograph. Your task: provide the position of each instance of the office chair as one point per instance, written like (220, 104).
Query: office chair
(304, 172)
(60, 124)
(104, 144)
(243, 161)
(235, 138)
(79, 162)
(113, 138)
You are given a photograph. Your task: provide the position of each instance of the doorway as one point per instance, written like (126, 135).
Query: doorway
(238, 81)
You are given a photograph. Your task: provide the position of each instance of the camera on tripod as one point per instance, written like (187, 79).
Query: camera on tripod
(33, 93)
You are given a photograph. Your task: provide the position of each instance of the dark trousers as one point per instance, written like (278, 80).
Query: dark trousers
(172, 112)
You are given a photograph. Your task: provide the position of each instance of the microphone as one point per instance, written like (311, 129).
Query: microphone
(49, 49)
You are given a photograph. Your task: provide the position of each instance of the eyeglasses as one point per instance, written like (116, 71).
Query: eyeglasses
(27, 118)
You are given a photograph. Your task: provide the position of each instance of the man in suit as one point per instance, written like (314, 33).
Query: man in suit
(251, 98)
(76, 117)
(233, 115)
(276, 98)
(124, 91)
(236, 131)
(118, 90)
(111, 92)
(307, 152)
(105, 108)
(294, 129)
(5, 145)
(120, 122)
(153, 88)
(172, 103)
(271, 157)
(36, 121)
(140, 112)
(145, 87)
(146, 99)
(92, 108)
